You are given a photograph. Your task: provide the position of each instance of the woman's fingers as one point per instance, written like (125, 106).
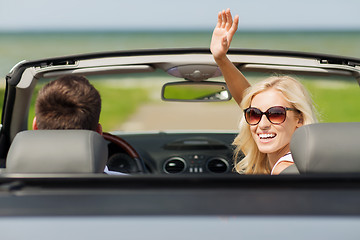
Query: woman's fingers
(219, 22)
(229, 20)
(234, 27)
(224, 20)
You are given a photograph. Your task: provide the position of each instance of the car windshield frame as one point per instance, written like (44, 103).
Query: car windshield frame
(23, 77)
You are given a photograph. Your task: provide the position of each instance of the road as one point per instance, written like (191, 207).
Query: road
(175, 116)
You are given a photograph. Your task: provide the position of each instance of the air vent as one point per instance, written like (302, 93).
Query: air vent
(196, 144)
(217, 165)
(174, 165)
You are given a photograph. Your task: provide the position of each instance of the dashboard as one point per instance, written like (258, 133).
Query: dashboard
(175, 153)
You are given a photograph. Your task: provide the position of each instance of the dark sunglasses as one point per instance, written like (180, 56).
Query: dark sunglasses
(276, 115)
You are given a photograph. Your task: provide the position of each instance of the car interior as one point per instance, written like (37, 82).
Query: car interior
(179, 180)
(84, 151)
(168, 152)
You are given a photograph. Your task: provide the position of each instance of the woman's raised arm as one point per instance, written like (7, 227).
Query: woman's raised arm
(220, 43)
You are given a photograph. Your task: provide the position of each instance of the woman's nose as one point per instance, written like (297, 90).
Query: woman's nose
(264, 122)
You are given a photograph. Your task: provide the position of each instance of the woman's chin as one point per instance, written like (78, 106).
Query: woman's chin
(266, 147)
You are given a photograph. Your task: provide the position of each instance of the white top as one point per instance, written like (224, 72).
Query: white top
(286, 158)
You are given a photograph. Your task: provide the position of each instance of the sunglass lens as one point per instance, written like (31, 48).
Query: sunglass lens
(276, 115)
(253, 116)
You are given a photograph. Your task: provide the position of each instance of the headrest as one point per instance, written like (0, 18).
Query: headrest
(327, 148)
(57, 151)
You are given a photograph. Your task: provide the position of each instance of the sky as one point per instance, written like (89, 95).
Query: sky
(43, 15)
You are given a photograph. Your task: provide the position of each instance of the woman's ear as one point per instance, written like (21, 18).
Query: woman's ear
(300, 121)
(34, 124)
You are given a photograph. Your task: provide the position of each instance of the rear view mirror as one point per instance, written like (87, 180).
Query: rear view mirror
(195, 92)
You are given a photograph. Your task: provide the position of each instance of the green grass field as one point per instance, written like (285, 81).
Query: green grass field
(117, 104)
(334, 102)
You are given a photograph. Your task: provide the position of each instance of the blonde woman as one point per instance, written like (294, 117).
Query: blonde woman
(273, 108)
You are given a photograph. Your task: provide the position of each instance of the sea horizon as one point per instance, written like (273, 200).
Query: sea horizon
(113, 30)
(16, 46)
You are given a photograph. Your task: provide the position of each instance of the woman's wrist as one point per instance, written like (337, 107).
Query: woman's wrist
(221, 60)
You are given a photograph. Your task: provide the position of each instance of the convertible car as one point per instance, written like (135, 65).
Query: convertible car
(173, 150)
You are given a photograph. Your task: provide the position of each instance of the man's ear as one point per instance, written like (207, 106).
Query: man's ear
(99, 129)
(34, 125)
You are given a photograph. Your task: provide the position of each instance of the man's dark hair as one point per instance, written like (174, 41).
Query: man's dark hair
(69, 102)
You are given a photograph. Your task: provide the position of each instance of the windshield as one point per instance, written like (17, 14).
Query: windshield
(132, 103)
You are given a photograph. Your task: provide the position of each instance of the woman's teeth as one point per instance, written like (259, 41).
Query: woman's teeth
(267, 135)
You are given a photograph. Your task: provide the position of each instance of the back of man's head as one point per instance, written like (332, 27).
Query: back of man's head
(69, 102)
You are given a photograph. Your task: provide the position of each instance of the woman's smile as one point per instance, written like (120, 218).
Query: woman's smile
(266, 136)
(273, 139)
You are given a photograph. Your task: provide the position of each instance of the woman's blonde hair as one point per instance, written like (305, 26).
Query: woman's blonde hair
(295, 93)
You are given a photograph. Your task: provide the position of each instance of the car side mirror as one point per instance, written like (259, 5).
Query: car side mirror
(195, 92)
